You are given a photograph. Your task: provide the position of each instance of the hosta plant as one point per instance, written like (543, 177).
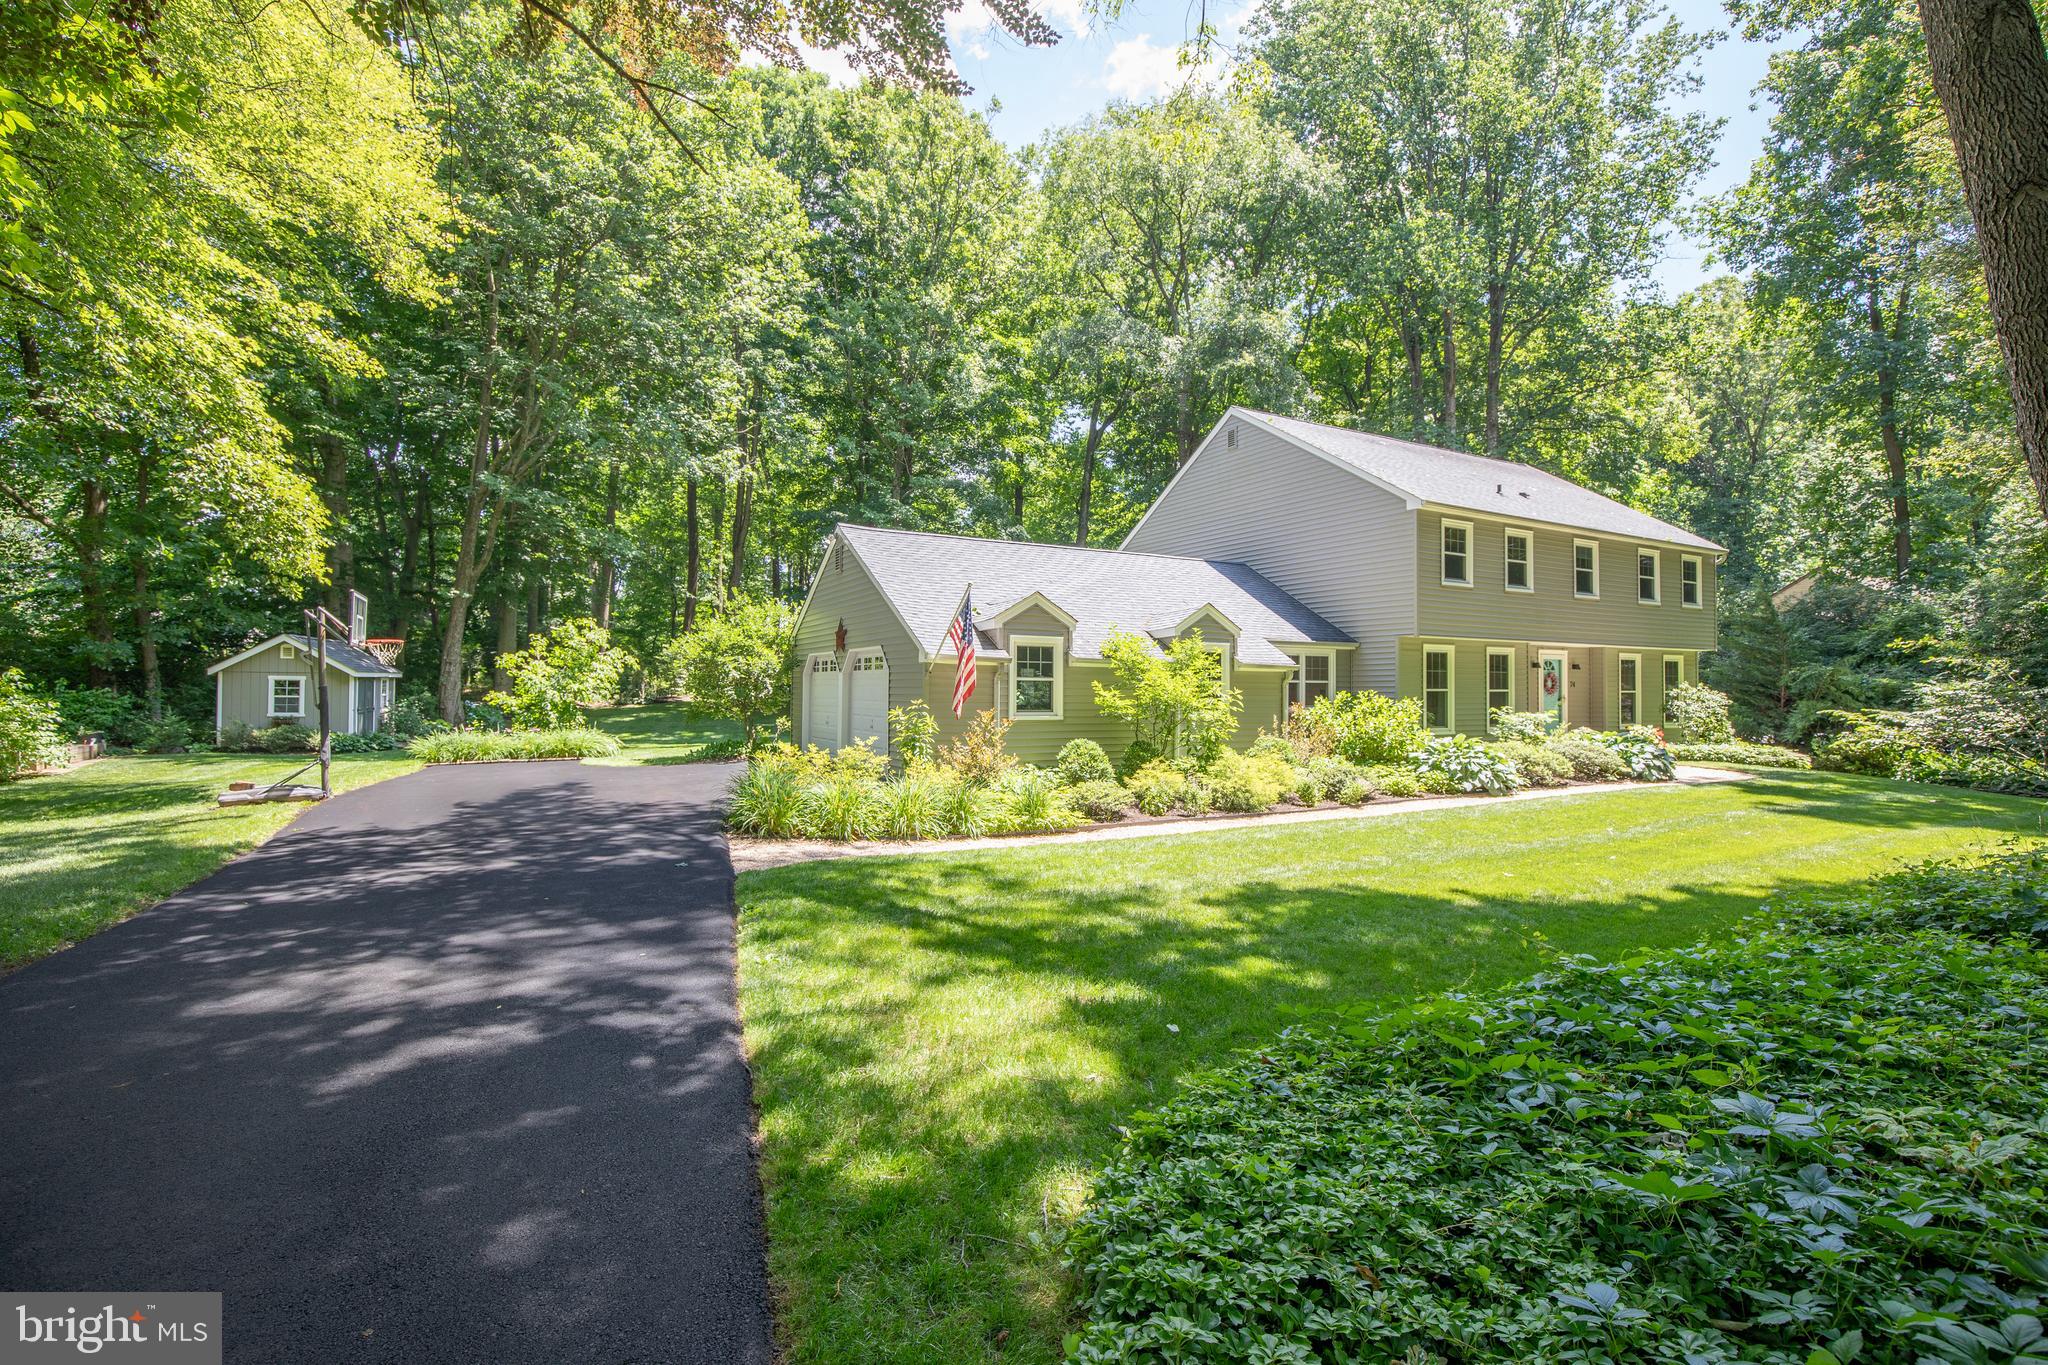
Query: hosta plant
(1461, 763)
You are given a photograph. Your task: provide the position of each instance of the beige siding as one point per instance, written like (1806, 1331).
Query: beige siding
(1553, 611)
(1342, 547)
(845, 593)
(243, 691)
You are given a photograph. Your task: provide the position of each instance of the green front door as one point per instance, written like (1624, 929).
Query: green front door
(1552, 680)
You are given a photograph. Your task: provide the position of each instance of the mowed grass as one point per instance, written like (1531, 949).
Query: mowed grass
(83, 849)
(664, 732)
(942, 1045)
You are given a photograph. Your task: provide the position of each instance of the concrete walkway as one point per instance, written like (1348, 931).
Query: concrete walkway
(448, 1071)
(749, 855)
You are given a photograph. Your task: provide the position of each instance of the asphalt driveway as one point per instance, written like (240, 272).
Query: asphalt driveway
(448, 1071)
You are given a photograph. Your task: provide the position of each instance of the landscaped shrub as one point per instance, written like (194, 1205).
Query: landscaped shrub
(1157, 786)
(859, 760)
(978, 755)
(1082, 760)
(1306, 791)
(378, 743)
(1743, 752)
(1539, 764)
(736, 663)
(916, 732)
(166, 735)
(767, 800)
(1991, 897)
(1031, 800)
(31, 730)
(1462, 763)
(289, 739)
(1391, 779)
(1274, 746)
(1331, 775)
(557, 674)
(413, 715)
(1174, 699)
(840, 808)
(1247, 785)
(1696, 714)
(1359, 727)
(1356, 791)
(498, 746)
(1522, 727)
(1987, 772)
(1136, 755)
(1640, 751)
(1100, 800)
(1799, 1147)
(969, 811)
(99, 711)
(912, 807)
(1591, 760)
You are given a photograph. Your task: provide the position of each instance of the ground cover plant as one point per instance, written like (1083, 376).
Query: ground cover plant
(1820, 1143)
(502, 746)
(945, 1046)
(1741, 753)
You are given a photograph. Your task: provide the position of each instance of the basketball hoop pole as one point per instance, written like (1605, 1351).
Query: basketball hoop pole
(317, 621)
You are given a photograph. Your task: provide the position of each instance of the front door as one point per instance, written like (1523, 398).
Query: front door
(867, 703)
(1553, 685)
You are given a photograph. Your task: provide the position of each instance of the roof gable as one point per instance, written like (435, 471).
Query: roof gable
(922, 575)
(341, 654)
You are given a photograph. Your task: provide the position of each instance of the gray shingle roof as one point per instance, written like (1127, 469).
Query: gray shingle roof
(922, 575)
(1453, 478)
(347, 657)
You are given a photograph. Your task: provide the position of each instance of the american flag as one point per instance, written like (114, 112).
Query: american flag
(961, 636)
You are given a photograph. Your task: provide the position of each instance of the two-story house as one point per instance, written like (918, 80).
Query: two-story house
(1313, 559)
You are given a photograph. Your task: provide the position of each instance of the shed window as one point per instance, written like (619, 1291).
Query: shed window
(287, 696)
(1586, 568)
(1314, 676)
(1521, 562)
(1436, 686)
(1457, 544)
(1646, 576)
(1631, 687)
(1689, 581)
(1035, 671)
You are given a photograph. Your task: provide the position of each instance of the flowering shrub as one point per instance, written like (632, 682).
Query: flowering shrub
(1696, 714)
(1462, 763)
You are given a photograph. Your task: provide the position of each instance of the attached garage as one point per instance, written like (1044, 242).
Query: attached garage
(867, 698)
(823, 698)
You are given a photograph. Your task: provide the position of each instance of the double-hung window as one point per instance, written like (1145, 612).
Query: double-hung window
(1646, 576)
(1631, 688)
(1689, 581)
(1438, 679)
(1500, 682)
(1521, 560)
(1315, 675)
(287, 694)
(1586, 568)
(1674, 671)
(1457, 553)
(1034, 677)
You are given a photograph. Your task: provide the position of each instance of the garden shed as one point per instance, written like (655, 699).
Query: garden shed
(274, 681)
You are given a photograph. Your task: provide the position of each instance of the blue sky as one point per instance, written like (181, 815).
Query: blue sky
(1029, 91)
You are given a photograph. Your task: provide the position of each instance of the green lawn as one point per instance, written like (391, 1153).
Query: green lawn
(83, 849)
(943, 1044)
(665, 732)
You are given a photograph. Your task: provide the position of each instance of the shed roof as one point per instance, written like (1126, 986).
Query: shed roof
(1476, 483)
(341, 654)
(922, 574)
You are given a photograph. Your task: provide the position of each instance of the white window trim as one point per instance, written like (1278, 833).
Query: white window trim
(1298, 655)
(271, 680)
(287, 651)
(1450, 653)
(1656, 599)
(1059, 677)
(1493, 652)
(1594, 546)
(1529, 537)
(1621, 689)
(1699, 582)
(1670, 659)
(1442, 526)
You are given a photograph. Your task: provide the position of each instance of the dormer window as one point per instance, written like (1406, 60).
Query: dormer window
(1035, 667)
(1457, 554)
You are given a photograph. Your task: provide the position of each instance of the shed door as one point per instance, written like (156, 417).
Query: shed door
(868, 699)
(821, 702)
(366, 705)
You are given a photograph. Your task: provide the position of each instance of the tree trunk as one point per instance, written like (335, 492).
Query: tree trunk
(1888, 435)
(691, 558)
(92, 584)
(467, 567)
(1991, 73)
(334, 494)
(607, 576)
(1496, 329)
(1450, 378)
(144, 605)
(505, 610)
(1084, 505)
(1411, 353)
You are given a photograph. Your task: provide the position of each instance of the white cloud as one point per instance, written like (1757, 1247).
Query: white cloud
(827, 62)
(974, 23)
(1139, 68)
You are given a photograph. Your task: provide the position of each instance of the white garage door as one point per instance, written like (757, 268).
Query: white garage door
(868, 702)
(821, 702)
